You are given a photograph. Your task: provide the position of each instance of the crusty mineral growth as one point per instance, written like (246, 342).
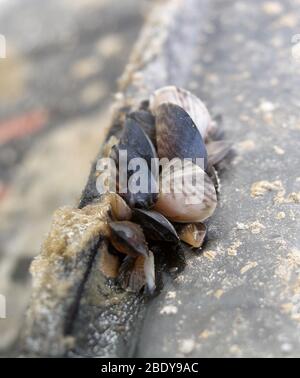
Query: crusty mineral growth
(59, 274)
(74, 310)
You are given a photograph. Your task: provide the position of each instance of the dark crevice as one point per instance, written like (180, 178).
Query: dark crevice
(73, 311)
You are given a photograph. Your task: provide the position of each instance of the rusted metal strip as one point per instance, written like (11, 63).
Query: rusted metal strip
(74, 311)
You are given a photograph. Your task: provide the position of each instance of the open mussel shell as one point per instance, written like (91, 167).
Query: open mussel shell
(128, 237)
(137, 166)
(155, 225)
(137, 272)
(217, 151)
(187, 194)
(193, 234)
(186, 100)
(177, 135)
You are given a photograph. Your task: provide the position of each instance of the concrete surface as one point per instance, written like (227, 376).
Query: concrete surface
(241, 296)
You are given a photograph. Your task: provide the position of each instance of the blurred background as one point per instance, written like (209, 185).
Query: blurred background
(56, 84)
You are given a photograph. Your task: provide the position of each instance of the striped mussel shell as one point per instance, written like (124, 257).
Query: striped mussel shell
(187, 194)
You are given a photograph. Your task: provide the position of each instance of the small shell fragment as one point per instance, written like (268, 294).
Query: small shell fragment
(193, 234)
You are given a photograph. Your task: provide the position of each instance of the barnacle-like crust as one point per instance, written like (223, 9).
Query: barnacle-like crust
(59, 271)
(72, 228)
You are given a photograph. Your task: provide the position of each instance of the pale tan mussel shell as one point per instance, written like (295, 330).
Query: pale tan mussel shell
(193, 234)
(119, 209)
(189, 201)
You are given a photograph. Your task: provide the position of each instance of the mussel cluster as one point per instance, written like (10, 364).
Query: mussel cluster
(173, 124)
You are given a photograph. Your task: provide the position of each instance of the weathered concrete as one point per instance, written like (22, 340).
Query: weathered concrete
(241, 297)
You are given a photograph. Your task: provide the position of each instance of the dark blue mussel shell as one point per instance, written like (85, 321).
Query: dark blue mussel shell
(177, 135)
(146, 121)
(137, 144)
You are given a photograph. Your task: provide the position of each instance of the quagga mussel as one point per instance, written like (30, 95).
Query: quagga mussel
(177, 141)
